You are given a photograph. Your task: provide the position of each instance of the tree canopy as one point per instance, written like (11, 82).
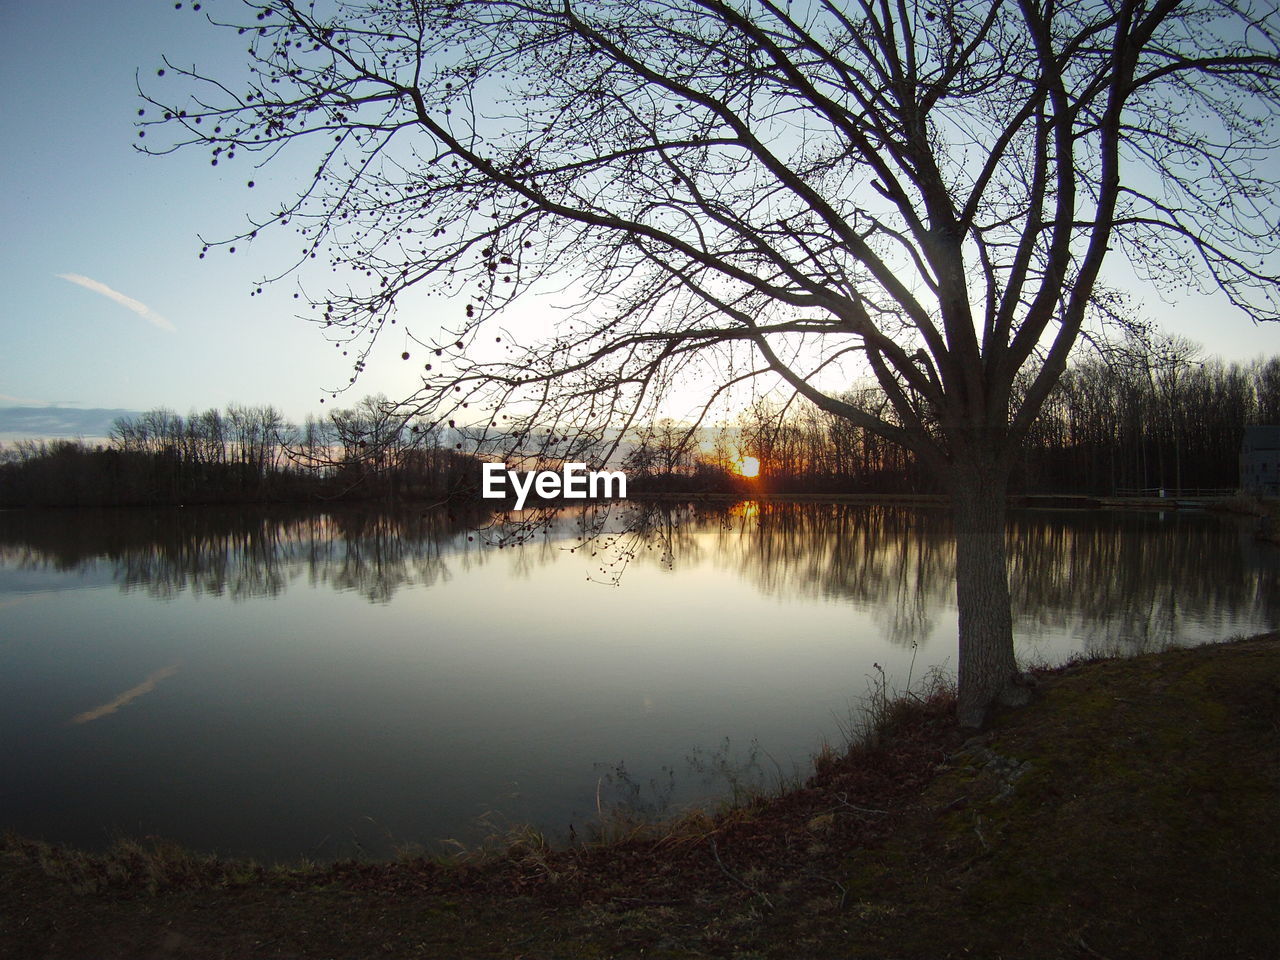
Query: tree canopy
(925, 190)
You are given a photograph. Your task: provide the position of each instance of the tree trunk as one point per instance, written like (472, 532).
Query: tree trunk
(987, 665)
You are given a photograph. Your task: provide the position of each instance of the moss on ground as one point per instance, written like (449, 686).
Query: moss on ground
(1129, 811)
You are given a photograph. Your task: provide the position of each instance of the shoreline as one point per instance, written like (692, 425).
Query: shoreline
(1228, 503)
(1131, 808)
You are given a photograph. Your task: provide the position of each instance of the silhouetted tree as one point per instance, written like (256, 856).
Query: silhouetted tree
(738, 189)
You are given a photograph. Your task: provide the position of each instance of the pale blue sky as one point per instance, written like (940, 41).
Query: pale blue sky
(79, 201)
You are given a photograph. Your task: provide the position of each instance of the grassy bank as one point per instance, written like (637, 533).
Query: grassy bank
(1130, 811)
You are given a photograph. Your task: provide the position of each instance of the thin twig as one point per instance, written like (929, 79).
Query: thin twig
(736, 879)
(1088, 949)
(844, 891)
(977, 828)
(859, 809)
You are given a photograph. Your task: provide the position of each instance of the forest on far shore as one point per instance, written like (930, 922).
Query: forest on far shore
(1166, 420)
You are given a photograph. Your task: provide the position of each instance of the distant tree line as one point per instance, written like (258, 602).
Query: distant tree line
(1145, 422)
(240, 454)
(1131, 420)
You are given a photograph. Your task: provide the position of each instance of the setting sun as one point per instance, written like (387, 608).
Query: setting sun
(747, 467)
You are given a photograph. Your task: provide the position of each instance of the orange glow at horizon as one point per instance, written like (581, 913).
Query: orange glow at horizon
(747, 467)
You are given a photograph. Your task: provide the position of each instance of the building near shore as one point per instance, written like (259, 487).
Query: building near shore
(1260, 460)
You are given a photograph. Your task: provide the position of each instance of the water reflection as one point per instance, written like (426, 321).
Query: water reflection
(363, 674)
(898, 563)
(1125, 582)
(133, 693)
(240, 554)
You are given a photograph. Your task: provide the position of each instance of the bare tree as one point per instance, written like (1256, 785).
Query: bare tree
(925, 189)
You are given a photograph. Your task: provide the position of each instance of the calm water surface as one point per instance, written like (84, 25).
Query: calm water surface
(329, 684)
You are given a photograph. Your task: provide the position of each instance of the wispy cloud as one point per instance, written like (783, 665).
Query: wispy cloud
(137, 306)
(49, 421)
(20, 402)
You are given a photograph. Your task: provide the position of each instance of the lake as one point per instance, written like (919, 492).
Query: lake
(310, 683)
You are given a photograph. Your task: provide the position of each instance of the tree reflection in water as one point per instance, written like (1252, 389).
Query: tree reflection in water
(242, 553)
(1122, 582)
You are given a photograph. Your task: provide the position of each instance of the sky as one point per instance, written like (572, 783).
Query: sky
(107, 304)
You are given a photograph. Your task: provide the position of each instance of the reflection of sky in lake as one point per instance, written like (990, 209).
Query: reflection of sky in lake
(292, 684)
